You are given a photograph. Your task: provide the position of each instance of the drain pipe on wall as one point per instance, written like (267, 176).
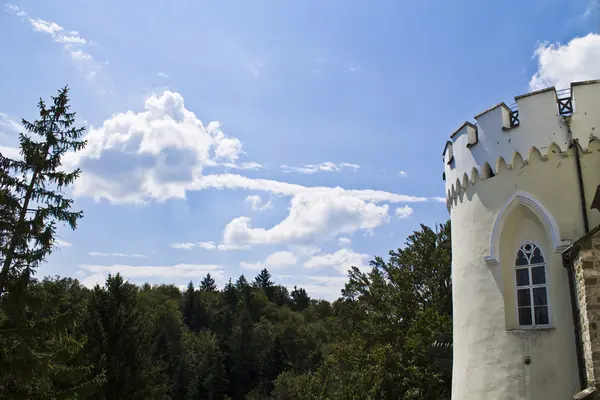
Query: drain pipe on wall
(586, 392)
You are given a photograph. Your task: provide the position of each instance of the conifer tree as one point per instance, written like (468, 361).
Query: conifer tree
(31, 190)
(208, 284)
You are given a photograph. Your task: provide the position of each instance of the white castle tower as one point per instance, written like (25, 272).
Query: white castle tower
(519, 186)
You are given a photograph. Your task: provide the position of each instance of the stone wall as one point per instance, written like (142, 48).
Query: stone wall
(587, 278)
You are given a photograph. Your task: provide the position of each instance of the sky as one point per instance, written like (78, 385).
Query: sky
(303, 137)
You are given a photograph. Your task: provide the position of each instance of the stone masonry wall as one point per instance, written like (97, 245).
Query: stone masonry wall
(587, 278)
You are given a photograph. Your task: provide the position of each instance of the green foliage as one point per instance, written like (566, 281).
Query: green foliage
(31, 194)
(255, 341)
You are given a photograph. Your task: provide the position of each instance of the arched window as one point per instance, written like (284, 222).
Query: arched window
(532, 290)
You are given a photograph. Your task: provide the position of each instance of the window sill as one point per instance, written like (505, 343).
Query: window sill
(532, 329)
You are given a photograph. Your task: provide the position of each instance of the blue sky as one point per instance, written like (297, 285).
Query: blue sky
(304, 136)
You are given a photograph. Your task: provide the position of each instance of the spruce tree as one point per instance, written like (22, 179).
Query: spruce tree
(208, 284)
(31, 190)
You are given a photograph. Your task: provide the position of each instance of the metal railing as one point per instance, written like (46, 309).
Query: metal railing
(564, 100)
(514, 115)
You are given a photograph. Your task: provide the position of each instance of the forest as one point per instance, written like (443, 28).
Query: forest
(387, 336)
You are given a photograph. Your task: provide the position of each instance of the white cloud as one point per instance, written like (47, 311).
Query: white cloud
(153, 271)
(155, 154)
(11, 152)
(257, 204)
(71, 41)
(354, 68)
(326, 166)
(559, 65)
(344, 241)
(163, 75)
(244, 166)
(404, 212)
(341, 260)
(62, 243)
(93, 280)
(208, 246)
(8, 125)
(312, 216)
(100, 254)
(186, 246)
(438, 199)
(273, 261)
(403, 174)
(162, 153)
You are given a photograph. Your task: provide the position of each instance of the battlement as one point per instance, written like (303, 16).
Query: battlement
(538, 122)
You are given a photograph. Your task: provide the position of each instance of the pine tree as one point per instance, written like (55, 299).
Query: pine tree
(208, 284)
(31, 196)
(263, 281)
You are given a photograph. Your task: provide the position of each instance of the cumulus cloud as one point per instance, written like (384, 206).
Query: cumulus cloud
(403, 174)
(312, 216)
(341, 260)
(72, 42)
(273, 261)
(559, 65)
(404, 212)
(257, 203)
(101, 254)
(326, 166)
(163, 153)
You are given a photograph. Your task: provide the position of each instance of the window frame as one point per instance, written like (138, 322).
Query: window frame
(530, 287)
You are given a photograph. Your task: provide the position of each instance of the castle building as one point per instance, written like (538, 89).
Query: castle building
(521, 188)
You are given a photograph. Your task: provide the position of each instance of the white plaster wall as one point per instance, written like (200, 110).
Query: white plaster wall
(540, 126)
(488, 351)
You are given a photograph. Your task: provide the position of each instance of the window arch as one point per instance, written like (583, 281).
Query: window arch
(532, 286)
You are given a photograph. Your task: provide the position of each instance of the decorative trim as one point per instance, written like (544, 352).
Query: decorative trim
(528, 200)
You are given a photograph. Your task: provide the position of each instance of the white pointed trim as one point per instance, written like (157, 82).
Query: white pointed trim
(528, 200)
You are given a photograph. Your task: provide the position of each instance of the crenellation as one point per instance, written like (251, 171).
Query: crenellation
(492, 144)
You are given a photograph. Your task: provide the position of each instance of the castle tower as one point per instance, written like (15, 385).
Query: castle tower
(519, 184)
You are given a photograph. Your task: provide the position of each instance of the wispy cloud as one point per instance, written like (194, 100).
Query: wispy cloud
(101, 254)
(163, 75)
(257, 203)
(146, 271)
(73, 43)
(326, 166)
(403, 174)
(354, 68)
(209, 246)
(62, 243)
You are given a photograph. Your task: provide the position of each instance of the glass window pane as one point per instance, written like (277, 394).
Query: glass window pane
(522, 276)
(539, 297)
(537, 257)
(538, 275)
(524, 298)
(541, 315)
(521, 259)
(525, 316)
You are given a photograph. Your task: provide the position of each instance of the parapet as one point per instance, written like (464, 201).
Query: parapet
(537, 122)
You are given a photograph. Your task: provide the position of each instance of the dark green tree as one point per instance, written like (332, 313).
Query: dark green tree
(263, 281)
(208, 284)
(31, 189)
(120, 342)
(300, 299)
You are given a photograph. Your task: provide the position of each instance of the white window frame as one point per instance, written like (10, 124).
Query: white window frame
(531, 286)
